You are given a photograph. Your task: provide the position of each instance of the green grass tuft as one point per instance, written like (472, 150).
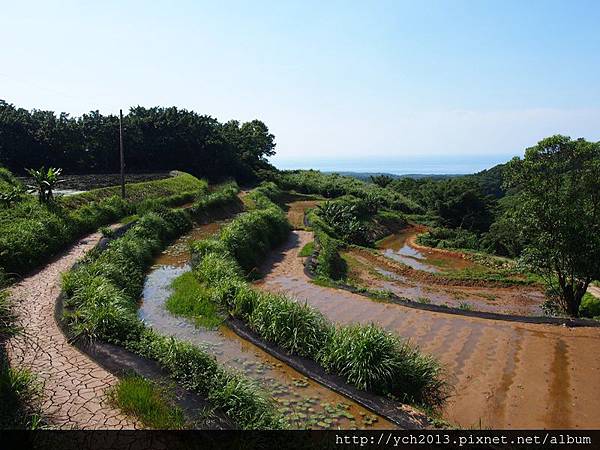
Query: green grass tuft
(190, 299)
(148, 402)
(307, 250)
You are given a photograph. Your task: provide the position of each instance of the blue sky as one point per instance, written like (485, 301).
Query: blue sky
(375, 85)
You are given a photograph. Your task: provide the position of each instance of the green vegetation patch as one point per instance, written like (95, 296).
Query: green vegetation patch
(148, 402)
(307, 250)
(190, 299)
(590, 306)
(31, 232)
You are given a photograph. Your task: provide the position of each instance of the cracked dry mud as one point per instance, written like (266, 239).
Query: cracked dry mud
(74, 386)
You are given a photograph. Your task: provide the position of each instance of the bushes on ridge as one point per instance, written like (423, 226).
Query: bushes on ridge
(251, 235)
(334, 185)
(101, 304)
(221, 197)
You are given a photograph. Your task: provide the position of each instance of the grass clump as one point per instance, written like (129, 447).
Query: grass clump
(330, 264)
(226, 194)
(295, 327)
(307, 250)
(149, 403)
(189, 299)
(251, 235)
(375, 360)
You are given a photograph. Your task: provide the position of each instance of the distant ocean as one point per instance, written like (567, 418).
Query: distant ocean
(446, 164)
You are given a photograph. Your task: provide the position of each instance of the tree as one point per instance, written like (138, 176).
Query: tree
(460, 203)
(381, 180)
(559, 214)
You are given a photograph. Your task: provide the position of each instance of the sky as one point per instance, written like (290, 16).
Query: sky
(393, 86)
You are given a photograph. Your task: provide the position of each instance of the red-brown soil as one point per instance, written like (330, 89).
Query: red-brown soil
(505, 374)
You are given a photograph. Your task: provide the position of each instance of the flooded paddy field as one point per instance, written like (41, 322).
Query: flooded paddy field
(306, 403)
(505, 374)
(427, 275)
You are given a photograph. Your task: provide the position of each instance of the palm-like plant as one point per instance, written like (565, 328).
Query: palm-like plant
(45, 181)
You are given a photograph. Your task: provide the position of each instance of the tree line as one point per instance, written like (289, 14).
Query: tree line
(155, 139)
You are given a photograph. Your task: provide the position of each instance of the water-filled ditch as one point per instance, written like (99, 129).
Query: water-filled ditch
(306, 403)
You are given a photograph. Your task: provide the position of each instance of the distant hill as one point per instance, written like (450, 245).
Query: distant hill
(365, 176)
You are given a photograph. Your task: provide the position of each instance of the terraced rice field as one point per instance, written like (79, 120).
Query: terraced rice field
(505, 374)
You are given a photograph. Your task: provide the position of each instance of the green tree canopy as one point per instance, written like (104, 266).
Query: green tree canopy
(558, 215)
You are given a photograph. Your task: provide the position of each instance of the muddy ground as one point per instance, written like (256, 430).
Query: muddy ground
(505, 374)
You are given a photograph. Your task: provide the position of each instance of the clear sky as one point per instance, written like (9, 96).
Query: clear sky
(440, 86)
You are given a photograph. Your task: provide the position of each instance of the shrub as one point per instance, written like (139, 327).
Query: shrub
(330, 264)
(226, 194)
(251, 235)
(341, 218)
(457, 238)
(590, 306)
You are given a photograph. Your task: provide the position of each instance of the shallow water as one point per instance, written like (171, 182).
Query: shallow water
(396, 247)
(306, 403)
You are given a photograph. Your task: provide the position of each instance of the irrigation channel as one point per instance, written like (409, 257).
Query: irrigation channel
(505, 374)
(305, 403)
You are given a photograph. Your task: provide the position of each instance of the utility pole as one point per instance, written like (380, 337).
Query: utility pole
(122, 155)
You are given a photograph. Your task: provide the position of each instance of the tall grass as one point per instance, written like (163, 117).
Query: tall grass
(375, 360)
(226, 194)
(251, 235)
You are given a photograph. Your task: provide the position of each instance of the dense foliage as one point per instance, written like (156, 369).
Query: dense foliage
(154, 139)
(101, 304)
(559, 214)
(253, 234)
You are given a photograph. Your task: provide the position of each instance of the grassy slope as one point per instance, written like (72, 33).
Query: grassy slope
(31, 232)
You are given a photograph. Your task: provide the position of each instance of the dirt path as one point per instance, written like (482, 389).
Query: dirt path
(74, 392)
(505, 374)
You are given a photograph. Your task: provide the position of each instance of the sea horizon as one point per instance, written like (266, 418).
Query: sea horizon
(430, 165)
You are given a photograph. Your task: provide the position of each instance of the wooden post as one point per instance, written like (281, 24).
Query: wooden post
(121, 152)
